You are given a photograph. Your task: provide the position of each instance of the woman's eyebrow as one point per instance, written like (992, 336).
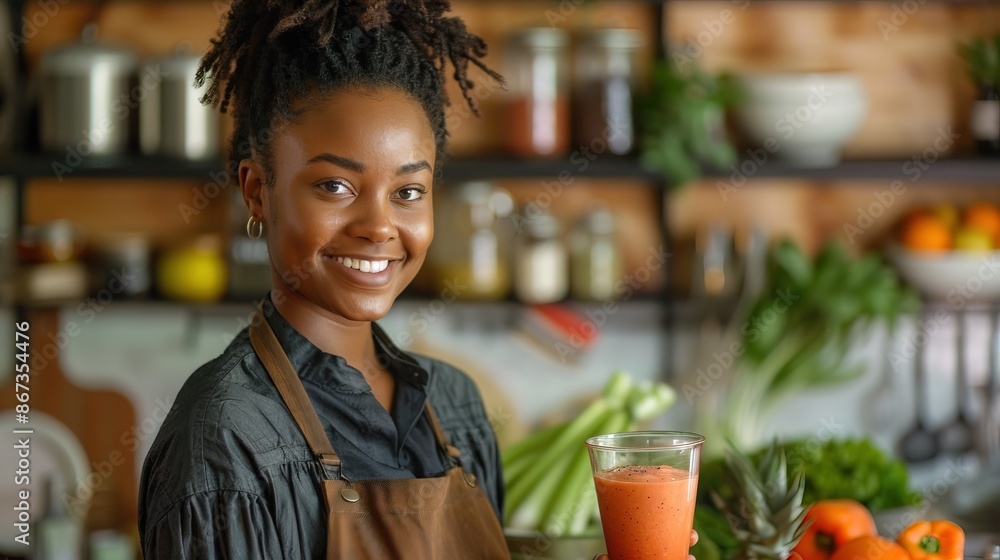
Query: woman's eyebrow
(413, 167)
(346, 163)
(358, 167)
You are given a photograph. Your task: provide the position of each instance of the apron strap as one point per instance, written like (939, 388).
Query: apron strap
(442, 440)
(269, 350)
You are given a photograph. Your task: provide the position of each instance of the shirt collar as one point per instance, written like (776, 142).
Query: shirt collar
(333, 371)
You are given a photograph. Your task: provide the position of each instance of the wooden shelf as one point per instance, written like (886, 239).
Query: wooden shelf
(502, 167)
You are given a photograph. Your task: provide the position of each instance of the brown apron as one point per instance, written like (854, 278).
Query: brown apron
(440, 518)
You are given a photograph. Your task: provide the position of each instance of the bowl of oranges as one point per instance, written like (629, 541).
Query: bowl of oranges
(951, 254)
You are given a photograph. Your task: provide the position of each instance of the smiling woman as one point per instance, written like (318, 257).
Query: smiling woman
(312, 435)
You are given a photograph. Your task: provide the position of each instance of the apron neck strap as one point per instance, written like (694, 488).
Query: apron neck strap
(275, 361)
(442, 440)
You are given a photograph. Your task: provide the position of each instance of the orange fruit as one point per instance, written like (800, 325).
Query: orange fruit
(926, 233)
(983, 216)
(871, 548)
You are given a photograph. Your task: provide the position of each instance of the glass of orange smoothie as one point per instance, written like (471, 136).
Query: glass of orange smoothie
(646, 488)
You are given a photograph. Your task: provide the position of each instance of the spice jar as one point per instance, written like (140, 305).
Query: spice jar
(605, 80)
(541, 261)
(124, 266)
(538, 108)
(469, 254)
(596, 259)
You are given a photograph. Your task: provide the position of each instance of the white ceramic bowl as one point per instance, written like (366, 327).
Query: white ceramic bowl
(804, 119)
(956, 277)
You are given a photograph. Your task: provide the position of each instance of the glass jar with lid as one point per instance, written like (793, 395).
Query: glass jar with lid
(538, 106)
(605, 76)
(470, 251)
(541, 261)
(596, 260)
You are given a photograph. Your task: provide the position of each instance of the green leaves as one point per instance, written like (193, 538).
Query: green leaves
(682, 121)
(813, 310)
(982, 59)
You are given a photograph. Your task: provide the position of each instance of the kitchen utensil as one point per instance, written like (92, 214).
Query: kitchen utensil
(172, 120)
(882, 405)
(956, 437)
(989, 423)
(85, 98)
(919, 443)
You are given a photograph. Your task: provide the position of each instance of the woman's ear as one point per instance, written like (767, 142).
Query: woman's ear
(251, 175)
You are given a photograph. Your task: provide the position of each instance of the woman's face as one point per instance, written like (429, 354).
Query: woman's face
(348, 218)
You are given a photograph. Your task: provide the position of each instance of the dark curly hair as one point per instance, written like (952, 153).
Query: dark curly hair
(272, 54)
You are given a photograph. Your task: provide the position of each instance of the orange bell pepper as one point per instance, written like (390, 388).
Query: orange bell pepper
(933, 540)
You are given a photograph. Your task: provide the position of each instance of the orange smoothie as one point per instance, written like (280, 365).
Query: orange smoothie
(647, 512)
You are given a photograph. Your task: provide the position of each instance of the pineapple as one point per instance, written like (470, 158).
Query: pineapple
(765, 512)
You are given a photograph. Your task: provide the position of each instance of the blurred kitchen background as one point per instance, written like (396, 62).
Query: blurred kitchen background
(635, 199)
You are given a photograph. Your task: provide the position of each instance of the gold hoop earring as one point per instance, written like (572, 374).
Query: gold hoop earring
(255, 229)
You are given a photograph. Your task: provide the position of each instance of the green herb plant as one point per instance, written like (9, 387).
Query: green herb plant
(982, 60)
(799, 333)
(681, 119)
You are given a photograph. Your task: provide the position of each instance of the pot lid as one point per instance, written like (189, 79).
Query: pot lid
(613, 38)
(182, 62)
(82, 57)
(541, 38)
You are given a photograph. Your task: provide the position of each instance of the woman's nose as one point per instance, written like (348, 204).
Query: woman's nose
(372, 220)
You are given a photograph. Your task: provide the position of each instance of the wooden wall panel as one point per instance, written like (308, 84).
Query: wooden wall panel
(163, 210)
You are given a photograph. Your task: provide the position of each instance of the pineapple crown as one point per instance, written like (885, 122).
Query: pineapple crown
(765, 512)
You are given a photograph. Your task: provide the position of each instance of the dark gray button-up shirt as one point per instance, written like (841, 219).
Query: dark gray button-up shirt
(231, 476)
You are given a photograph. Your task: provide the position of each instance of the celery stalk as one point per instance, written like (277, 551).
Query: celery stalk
(577, 484)
(586, 510)
(531, 444)
(577, 431)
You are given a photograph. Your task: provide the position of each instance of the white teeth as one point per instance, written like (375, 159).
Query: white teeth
(373, 267)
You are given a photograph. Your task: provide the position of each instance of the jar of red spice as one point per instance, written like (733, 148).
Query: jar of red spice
(537, 78)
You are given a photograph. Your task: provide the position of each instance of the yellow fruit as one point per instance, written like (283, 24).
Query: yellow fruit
(973, 239)
(192, 274)
(947, 213)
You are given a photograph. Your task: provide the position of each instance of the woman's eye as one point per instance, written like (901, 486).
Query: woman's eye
(412, 193)
(335, 187)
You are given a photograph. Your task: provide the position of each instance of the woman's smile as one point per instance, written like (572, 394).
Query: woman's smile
(366, 272)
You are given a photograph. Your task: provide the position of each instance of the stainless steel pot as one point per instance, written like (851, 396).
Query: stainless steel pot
(172, 120)
(85, 97)
(8, 78)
